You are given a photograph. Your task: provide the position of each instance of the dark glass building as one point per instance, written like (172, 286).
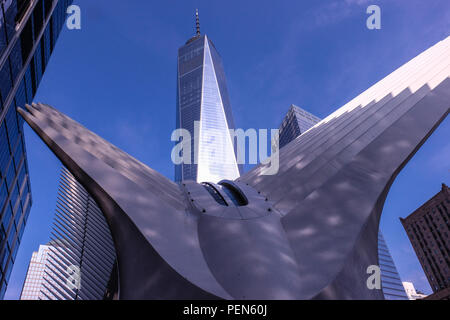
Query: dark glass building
(202, 98)
(28, 32)
(296, 122)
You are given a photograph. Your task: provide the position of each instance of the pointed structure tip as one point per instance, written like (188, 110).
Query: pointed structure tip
(197, 23)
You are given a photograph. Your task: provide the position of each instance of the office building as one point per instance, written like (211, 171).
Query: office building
(411, 291)
(28, 33)
(34, 287)
(296, 122)
(204, 110)
(391, 283)
(79, 261)
(428, 229)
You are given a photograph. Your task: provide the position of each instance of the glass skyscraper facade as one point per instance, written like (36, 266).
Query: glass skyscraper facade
(203, 108)
(28, 32)
(391, 283)
(78, 263)
(296, 122)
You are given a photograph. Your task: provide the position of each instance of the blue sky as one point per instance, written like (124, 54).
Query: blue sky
(117, 76)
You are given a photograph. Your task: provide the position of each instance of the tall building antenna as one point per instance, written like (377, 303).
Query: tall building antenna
(197, 22)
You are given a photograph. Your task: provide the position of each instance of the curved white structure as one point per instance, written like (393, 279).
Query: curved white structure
(308, 232)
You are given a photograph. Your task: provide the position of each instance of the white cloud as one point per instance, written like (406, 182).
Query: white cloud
(357, 2)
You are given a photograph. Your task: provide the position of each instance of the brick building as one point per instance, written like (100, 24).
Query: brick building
(428, 229)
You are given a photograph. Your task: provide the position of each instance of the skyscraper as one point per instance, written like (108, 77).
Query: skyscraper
(391, 283)
(79, 261)
(295, 123)
(203, 108)
(34, 287)
(428, 229)
(28, 32)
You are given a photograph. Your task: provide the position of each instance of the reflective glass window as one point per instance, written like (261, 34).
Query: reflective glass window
(7, 217)
(5, 82)
(4, 150)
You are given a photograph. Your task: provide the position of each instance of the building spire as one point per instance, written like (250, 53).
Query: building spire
(197, 22)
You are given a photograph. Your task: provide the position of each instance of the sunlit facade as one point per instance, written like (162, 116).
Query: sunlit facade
(35, 275)
(203, 108)
(411, 291)
(35, 286)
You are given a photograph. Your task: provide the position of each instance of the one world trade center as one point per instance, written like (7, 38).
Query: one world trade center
(203, 109)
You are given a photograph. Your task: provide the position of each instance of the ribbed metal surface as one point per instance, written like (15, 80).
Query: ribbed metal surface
(82, 253)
